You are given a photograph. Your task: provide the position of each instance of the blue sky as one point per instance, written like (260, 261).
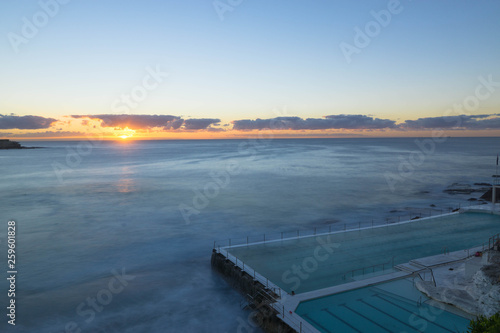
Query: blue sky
(263, 55)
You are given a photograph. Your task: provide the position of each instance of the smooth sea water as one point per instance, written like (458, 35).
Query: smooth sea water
(149, 212)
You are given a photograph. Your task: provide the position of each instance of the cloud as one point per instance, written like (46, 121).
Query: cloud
(470, 122)
(143, 122)
(25, 122)
(328, 122)
(197, 124)
(135, 121)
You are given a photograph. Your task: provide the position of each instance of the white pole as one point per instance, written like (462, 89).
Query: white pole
(493, 196)
(493, 191)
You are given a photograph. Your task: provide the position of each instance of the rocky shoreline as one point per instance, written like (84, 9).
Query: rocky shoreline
(472, 286)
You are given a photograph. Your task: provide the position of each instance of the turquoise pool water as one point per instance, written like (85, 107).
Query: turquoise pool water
(307, 264)
(390, 307)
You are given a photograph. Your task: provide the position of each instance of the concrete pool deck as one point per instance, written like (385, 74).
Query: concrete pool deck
(290, 303)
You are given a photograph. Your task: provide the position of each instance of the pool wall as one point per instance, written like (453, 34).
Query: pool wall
(261, 299)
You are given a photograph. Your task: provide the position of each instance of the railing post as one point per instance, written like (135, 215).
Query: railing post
(229, 241)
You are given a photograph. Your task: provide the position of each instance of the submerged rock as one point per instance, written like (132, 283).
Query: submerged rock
(457, 188)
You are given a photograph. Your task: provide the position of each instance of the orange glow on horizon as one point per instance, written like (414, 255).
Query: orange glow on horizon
(232, 134)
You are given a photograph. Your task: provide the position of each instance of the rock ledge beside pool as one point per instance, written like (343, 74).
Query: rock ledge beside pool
(472, 286)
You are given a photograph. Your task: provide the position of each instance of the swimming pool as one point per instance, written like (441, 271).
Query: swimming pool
(389, 307)
(306, 264)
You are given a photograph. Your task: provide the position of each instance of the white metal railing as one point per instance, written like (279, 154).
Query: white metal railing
(293, 320)
(252, 272)
(366, 270)
(335, 228)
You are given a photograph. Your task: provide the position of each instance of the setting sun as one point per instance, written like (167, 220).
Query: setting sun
(124, 136)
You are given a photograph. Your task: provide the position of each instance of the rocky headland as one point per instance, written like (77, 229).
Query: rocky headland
(7, 144)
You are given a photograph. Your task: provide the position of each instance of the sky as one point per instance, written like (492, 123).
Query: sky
(236, 68)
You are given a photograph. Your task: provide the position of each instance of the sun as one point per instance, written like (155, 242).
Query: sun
(125, 136)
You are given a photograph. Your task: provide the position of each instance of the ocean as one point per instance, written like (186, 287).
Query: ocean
(116, 236)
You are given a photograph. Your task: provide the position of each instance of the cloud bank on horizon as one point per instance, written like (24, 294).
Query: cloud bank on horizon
(145, 122)
(343, 121)
(25, 122)
(470, 122)
(171, 123)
